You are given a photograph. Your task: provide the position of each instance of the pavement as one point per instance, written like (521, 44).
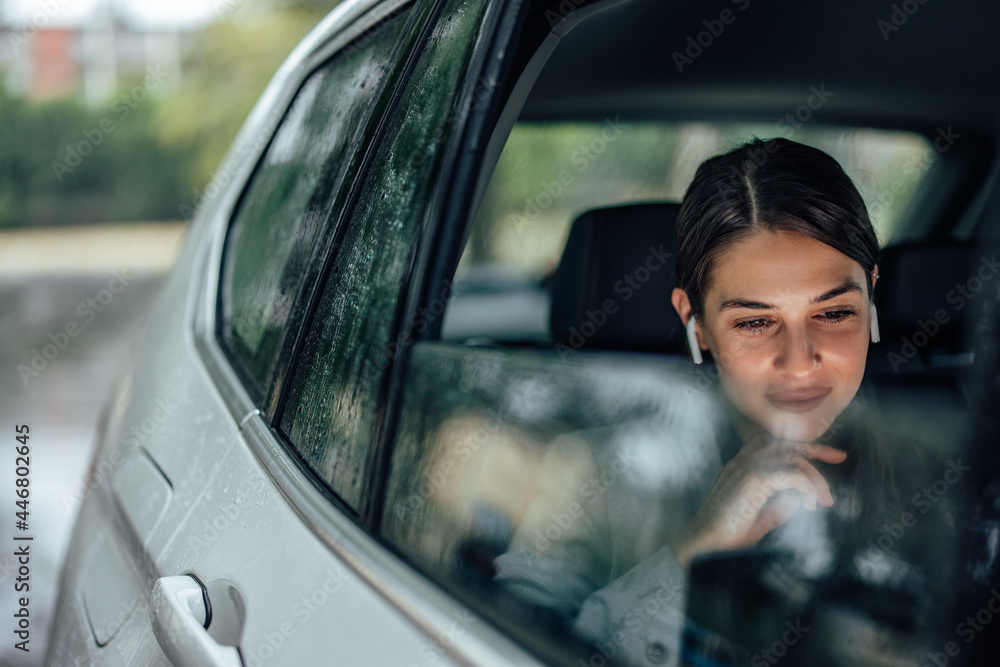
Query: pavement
(51, 282)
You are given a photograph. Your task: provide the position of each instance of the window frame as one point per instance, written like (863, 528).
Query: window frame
(364, 139)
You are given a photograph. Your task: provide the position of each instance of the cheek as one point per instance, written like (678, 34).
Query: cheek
(744, 374)
(846, 355)
(744, 363)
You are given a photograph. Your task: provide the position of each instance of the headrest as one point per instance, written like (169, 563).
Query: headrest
(923, 299)
(612, 287)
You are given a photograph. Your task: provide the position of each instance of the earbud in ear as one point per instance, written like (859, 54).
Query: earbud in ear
(693, 341)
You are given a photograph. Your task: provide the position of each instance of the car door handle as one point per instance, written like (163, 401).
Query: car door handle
(180, 609)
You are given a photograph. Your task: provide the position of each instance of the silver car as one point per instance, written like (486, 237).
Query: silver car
(429, 287)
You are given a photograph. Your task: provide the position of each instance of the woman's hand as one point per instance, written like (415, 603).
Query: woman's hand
(757, 491)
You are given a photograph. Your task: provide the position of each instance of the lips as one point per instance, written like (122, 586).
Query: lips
(799, 400)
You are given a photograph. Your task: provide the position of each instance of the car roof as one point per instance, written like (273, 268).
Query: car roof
(912, 64)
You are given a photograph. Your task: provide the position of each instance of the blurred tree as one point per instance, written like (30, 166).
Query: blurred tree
(142, 159)
(231, 63)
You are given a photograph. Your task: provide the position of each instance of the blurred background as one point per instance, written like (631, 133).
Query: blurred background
(113, 116)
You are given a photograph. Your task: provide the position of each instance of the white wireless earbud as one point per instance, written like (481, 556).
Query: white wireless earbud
(876, 336)
(693, 341)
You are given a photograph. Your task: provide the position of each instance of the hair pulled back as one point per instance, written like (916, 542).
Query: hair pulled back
(775, 185)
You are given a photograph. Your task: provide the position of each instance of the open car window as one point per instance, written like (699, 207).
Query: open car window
(556, 441)
(549, 172)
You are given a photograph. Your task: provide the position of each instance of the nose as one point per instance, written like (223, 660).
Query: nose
(798, 356)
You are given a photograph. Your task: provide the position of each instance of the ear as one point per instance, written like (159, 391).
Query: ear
(874, 277)
(681, 304)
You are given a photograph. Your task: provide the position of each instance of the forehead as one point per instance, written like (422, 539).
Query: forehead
(770, 265)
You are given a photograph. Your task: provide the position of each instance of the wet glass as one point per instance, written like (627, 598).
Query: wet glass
(284, 214)
(334, 398)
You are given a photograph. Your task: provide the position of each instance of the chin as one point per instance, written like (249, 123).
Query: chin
(797, 427)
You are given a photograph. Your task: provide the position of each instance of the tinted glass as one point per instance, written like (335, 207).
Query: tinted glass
(280, 221)
(333, 404)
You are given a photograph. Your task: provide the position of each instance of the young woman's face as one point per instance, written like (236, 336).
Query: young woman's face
(787, 319)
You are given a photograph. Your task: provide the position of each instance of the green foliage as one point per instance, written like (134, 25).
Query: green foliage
(62, 163)
(140, 157)
(227, 70)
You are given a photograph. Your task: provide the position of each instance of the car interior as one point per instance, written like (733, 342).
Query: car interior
(904, 95)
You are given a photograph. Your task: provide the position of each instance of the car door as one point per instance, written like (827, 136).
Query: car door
(238, 457)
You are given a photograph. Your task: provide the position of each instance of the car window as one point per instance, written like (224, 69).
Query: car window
(545, 489)
(283, 216)
(514, 451)
(334, 396)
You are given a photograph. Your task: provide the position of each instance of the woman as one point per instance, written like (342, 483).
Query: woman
(776, 266)
(776, 271)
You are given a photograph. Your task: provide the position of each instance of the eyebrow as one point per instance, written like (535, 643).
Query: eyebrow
(848, 286)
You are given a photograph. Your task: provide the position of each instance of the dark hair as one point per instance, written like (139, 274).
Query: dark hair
(769, 185)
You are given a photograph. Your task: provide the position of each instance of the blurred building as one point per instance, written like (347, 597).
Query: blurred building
(46, 54)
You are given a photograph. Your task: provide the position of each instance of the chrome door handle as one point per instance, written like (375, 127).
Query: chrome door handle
(179, 615)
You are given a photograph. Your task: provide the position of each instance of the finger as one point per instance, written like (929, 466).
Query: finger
(757, 490)
(824, 494)
(824, 453)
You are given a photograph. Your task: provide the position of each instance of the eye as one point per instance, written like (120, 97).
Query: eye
(754, 326)
(835, 316)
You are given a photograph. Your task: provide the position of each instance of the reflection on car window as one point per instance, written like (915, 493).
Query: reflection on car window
(334, 397)
(552, 456)
(550, 492)
(284, 211)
